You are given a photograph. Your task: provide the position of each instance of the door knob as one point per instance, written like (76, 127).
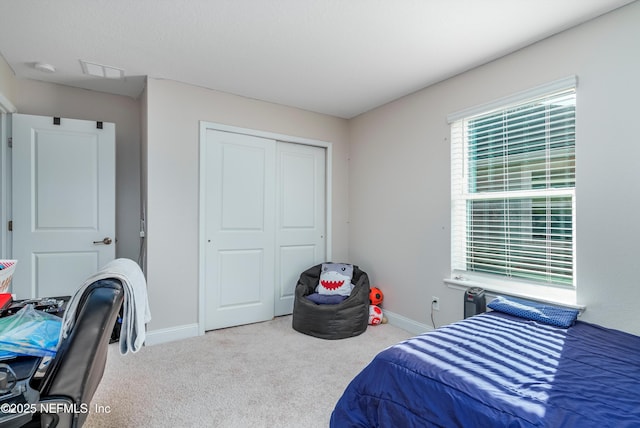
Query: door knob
(105, 241)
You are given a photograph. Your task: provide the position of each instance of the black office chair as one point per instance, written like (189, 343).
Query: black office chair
(74, 374)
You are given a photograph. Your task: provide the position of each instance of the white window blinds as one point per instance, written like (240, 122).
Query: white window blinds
(513, 190)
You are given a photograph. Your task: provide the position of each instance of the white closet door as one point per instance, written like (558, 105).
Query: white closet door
(300, 219)
(63, 188)
(240, 229)
(264, 220)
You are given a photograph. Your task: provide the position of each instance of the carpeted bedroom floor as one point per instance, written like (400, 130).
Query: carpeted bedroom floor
(259, 375)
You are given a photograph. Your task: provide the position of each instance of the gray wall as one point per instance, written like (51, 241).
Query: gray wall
(400, 175)
(172, 160)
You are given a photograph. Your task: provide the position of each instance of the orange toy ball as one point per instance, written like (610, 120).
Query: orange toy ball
(375, 296)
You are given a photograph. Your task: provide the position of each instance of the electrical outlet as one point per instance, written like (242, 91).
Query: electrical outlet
(435, 303)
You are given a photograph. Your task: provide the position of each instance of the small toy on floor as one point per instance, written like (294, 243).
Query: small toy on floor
(375, 296)
(376, 315)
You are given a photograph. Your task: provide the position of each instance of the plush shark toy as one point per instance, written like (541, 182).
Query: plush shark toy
(335, 278)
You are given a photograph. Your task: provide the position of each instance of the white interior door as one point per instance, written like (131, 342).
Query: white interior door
(300, 224)
(63, 203)
(239, 229)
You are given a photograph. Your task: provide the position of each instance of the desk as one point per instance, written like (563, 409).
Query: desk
(20, 372)
(52, 305)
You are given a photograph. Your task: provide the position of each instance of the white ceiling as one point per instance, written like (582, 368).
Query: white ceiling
(339, 57)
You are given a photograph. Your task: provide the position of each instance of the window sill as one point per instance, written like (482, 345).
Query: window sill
(552, 295)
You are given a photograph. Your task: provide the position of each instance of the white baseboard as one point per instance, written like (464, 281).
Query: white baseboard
(413, 327)
(163, 335)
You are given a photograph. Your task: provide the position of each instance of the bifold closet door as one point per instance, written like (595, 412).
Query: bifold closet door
(264, 225)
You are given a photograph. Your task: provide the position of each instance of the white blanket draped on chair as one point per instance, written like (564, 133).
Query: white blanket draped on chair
(135, 313)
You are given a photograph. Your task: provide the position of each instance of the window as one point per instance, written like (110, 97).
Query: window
(513, 188)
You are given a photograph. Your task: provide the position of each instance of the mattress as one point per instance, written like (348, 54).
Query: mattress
(498, 370)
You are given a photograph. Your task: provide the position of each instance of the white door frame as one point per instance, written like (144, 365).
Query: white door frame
(204, 126)
(5, 177)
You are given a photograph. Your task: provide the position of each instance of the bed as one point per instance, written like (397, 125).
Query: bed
(499, 370)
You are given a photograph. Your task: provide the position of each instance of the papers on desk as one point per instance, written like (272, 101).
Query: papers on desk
(29, 332)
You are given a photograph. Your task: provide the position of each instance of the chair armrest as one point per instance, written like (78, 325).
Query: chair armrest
(60, 412)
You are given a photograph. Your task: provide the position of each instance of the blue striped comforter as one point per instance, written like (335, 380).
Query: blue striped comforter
(496, 370)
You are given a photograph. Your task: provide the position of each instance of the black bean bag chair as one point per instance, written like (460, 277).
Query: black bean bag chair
(346, 319)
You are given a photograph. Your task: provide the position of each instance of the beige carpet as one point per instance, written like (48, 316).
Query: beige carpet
(258, 375)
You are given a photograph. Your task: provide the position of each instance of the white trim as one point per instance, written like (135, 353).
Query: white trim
(204, 126)
(4, 197)
(529, 193)
(201, 228)
(536, 91)
(553, 295)
(327, 203)
(6, 106)
(164, 335)
(413, 327)
(263, 134)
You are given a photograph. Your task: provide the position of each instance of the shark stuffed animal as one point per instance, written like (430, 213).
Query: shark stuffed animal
(335, 278)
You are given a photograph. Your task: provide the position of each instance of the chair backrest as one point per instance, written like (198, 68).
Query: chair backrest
(78, 366)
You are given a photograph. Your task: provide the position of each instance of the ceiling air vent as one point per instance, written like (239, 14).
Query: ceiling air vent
(100, 70)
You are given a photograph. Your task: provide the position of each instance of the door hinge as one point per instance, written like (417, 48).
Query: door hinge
(10, 226)
(10, 142)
